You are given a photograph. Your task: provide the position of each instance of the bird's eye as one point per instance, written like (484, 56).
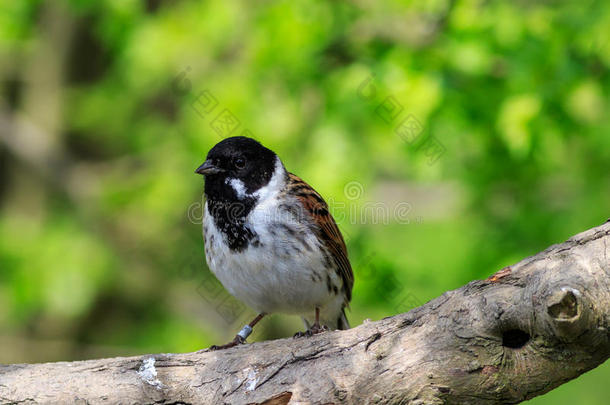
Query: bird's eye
(239, 162)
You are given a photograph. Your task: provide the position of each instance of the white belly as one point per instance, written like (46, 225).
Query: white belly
(278, 274)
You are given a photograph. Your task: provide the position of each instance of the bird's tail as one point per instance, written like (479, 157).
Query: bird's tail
(342, 322)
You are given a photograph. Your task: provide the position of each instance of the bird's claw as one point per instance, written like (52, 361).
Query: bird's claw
(238, 340)
(314, 330)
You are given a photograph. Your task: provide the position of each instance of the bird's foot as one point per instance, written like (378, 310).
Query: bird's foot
(238, 340)
(314, 330)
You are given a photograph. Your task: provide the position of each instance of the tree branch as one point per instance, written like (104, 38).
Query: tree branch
(520, 333)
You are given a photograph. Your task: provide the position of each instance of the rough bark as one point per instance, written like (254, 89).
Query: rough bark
(518, 334)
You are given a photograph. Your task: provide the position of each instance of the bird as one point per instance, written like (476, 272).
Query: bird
(271, 240)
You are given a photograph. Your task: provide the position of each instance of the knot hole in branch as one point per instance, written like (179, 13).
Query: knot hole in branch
(515, 338)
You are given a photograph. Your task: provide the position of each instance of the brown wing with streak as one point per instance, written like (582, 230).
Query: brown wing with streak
(328, 231)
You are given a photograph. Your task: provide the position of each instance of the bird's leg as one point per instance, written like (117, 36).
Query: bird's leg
(242, 335)
(316, 325)
(313, 329)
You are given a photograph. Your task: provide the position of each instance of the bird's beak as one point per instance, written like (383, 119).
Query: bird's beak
(208, 168)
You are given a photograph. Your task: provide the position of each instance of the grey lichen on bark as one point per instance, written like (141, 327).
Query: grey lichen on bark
(523, 331)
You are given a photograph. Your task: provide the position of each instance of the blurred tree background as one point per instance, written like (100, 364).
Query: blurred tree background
(450, 138)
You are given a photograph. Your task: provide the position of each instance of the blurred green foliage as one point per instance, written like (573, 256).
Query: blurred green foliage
(102, 127)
